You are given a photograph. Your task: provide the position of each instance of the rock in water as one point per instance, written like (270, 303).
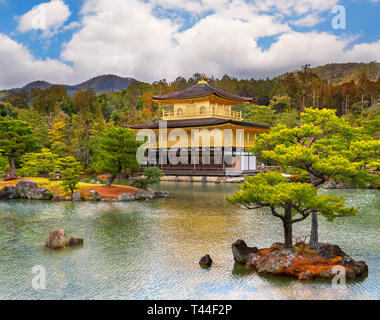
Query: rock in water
(161, 194)
(76, 242)
(39, 194)
(344, 185)
(25, 186)
(144, 195)
(329, 251)
(329, 185)
(206, 261)
(252, 261)
(276, 262)
(126, 197)
(360, 267)
(56, 240)
(96, 195)
(241, 251)
(76, 196)
(8, 193)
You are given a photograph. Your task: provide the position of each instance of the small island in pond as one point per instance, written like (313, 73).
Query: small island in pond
(300, 261)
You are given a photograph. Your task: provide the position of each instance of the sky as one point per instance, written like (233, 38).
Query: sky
(70, 41)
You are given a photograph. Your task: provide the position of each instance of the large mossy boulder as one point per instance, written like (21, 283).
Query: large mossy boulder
(24, 187)
(8, 193)
(241, 251)
(56, 240)
(252, 260)
(144, 195)
(39, 194)
(126, 197)
(276, 262)
(28, 189)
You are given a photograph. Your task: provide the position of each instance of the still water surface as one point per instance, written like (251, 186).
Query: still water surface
(151, 250)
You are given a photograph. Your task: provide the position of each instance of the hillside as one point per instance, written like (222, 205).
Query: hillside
(99, 84)
(103, 83)
(336, 73)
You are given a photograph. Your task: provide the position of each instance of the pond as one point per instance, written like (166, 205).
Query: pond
(151, 250)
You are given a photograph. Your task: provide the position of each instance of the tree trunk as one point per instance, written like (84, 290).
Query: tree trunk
(314, 231)
(288, 228)
(303, 102)
(111, 179)
(12, 167)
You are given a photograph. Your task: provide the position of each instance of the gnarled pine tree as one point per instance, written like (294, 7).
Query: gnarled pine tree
(291, 202)
(323, 146)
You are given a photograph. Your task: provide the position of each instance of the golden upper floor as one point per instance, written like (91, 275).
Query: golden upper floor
(201, 109)
(201, 101)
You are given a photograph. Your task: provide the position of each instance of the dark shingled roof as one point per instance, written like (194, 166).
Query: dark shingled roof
(201, 90)
(188, 123)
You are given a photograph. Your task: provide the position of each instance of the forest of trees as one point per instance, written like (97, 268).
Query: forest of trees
(72, 126)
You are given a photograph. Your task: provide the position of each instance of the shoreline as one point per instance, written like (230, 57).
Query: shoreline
(43, 189)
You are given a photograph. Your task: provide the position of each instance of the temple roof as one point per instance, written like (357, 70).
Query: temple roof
(201, 90)
(188, 123)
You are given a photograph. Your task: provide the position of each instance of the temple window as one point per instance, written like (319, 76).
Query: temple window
(179, 112)
(203, 110)
(227, 112)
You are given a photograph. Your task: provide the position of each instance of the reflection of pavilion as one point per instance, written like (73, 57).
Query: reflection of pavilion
(201, 120)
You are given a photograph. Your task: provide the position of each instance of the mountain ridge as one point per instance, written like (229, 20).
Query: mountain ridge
(333, 73)
(99, 84)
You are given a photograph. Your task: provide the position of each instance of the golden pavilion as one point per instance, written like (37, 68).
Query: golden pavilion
(202, 133)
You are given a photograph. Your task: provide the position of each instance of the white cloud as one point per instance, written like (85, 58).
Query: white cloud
(121, 37)
(308, 21)
(128, 39)
(72, 25)
(278, 7)
(48, 16)
(124, 37)
(18, 66)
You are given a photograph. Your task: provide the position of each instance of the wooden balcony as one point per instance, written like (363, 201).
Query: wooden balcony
(233, 115)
